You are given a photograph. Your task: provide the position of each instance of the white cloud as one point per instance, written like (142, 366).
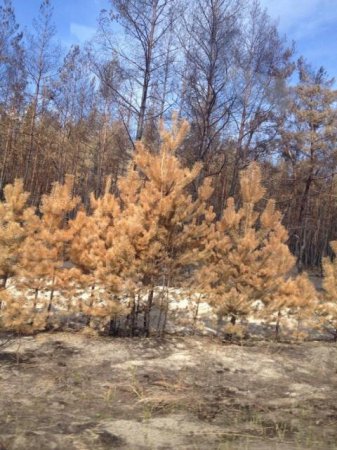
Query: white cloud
(82, 32)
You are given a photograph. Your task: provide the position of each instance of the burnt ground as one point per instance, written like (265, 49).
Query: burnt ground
(67, 391)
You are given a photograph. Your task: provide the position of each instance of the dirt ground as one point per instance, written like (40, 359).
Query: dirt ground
(67, 391)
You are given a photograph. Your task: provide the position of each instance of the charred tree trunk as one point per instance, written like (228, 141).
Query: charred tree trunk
(277, 327)
(147, 313)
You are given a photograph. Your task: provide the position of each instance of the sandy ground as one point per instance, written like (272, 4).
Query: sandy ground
(67, 391)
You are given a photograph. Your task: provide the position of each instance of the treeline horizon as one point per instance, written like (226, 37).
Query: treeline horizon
(222, 65)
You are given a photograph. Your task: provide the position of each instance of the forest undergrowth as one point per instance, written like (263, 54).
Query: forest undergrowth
(123, 266)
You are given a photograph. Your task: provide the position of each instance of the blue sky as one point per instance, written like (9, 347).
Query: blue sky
(311, 23)
(75, 19)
